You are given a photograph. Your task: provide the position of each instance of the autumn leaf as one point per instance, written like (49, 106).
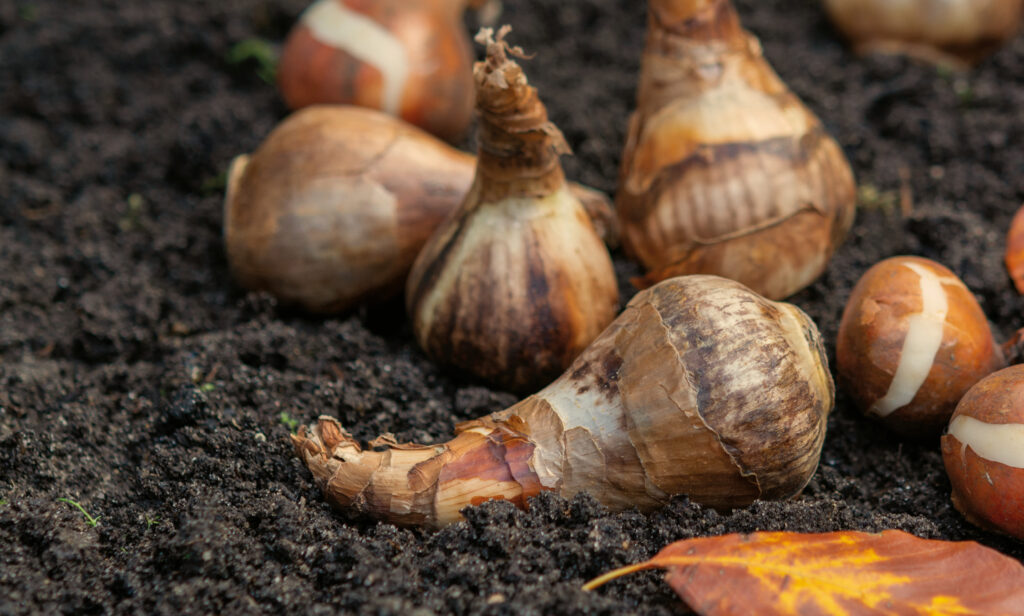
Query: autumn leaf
(1015, 250)
(847, 574)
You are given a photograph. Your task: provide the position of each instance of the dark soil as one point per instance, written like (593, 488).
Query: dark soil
(138, 380)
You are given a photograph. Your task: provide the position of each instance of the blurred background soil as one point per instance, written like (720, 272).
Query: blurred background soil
(139, 381)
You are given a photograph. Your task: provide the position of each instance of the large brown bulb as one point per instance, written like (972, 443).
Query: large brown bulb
(912, 341)
(336, 203)
(950, 32)
(725, 171)
(409, 58)
(700, 387)
(516, 282)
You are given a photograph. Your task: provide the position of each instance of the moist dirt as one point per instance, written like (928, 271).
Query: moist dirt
(138, 380)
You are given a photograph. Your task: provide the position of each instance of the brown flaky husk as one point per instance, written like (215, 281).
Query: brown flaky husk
(336, 203)
(516, 282)
(700, 387)
(954, 33)
(725, 171)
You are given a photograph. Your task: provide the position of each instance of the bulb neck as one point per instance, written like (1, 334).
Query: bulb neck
(697, 20)
(519, 146)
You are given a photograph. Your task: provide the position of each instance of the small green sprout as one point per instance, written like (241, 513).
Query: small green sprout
(152, 521)
(207, 387)
(259, 51)
(289, 422)
(870, 198)
(3, 501)
(91, 521)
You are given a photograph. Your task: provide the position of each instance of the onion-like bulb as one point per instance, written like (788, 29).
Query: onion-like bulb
(700, 387)
(516, 282)
(725, 171)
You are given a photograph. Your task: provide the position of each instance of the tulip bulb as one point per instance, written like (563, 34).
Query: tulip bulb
(949, 32)
(409, 58)
(516, 282)
(983, 451)
(725, 171)
(912, 341)
(700, 387)
(334, 206)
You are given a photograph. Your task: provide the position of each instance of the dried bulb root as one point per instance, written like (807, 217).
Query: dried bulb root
(334, 206)
(725, 171)
(700, 387)
(408, 58)
(516, 282)
(953, 33)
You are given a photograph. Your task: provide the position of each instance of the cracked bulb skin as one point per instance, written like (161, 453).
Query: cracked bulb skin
(725, 171)
(700, 387)
(516, 282)
(983, 451)
(408, 58)
(954, 33)
(912, 340)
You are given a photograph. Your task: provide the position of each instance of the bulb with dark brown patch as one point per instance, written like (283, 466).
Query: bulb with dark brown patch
(409, 58)
(516, 282)
(700, 387)
(725, 171)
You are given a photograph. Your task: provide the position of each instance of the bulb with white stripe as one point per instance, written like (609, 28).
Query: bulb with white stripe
(410, 58)
(983, 450)
(912, 341)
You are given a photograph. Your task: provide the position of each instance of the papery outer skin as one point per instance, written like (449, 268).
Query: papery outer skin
(699, 387)
(437, 94)
(871, 340)
(988, 493)
(725, 171)
(1015, 250)
(334, 206)
(941, 31)
(323, 220)
(516, 282)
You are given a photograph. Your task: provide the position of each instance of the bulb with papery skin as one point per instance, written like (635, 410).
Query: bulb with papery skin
(409, 58)
(725, 171)
(911, 342)
(983, 450)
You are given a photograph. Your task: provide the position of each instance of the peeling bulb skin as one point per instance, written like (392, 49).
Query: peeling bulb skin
(983, 451)
(408, 58)
(333, 207)
(724, 170)
(516, 282)
(913, 340)
(700, 387)
(953, 33)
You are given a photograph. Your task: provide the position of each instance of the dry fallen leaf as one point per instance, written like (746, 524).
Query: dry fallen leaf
(846, 573)
(1015, 250)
